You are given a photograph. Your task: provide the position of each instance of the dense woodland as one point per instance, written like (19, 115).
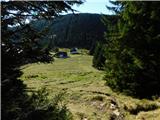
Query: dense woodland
(128, 51)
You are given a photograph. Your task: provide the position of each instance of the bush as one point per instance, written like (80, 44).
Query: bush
(36, 107)
(47, 109)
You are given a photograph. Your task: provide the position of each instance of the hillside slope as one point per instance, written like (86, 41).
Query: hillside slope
(80, 30)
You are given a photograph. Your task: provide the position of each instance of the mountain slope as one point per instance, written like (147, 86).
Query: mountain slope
(80, 30)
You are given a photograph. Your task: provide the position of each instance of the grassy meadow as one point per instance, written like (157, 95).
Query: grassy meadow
(86, 95)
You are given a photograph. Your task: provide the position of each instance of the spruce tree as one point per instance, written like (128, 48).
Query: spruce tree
(133, 49)
(16, 103)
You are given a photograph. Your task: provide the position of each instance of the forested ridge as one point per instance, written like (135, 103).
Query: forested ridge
(72, 30)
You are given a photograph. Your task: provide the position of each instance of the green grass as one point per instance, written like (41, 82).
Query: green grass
(87, 96)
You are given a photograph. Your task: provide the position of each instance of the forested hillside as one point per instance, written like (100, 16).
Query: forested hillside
(80, 30)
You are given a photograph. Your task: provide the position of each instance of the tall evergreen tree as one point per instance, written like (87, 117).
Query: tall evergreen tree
(16, 104)
(133, 47)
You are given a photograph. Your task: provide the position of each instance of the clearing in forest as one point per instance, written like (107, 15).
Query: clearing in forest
(87, 96)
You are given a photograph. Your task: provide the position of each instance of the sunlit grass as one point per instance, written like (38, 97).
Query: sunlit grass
(87, 96)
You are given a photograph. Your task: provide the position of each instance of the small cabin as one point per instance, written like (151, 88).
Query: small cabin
(61, 55)
(74, 51)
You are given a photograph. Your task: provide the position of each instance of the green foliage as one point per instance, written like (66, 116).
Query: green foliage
(133, 46)
(50, 109)
(37, 106)
(99, 56)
